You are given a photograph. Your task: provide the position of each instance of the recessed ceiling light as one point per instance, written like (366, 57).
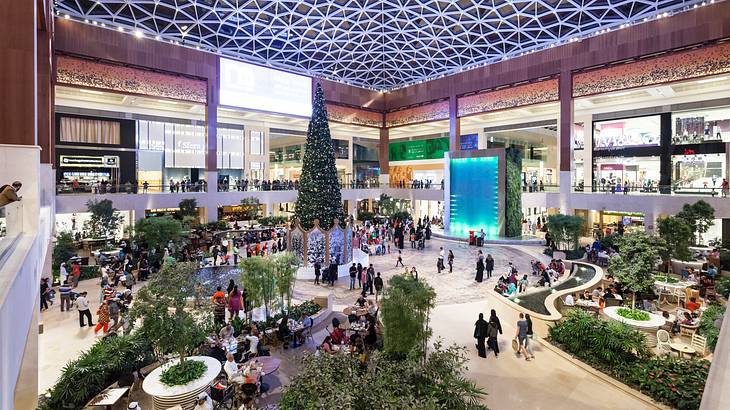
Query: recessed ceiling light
(184, 27)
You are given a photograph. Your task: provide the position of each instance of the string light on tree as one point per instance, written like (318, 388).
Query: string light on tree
(319, 189)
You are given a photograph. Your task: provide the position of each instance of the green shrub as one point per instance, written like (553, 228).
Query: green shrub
(597, 341)
(97, 368)
(707, 324)
(722, 286)
(365, 216)
(633, 314)
(89, 272)
(63, 250)
(676, 382)
(183, 373)
(437, 382)
(620, 352)
(272, 220)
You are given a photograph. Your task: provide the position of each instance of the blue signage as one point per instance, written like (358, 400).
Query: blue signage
(469, 142)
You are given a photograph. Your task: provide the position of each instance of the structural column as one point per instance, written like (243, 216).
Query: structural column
(211, 127)
(454, 123)
(383, 155)
(565, 130)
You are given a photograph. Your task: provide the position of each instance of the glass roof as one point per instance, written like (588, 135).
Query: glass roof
(377, 44)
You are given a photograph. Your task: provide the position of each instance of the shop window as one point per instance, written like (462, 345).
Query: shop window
(86, 131)
(257, 143)
(629, 132)
(698, 172)
(708, 125)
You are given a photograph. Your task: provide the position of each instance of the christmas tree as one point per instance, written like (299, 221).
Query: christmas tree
(319, 188)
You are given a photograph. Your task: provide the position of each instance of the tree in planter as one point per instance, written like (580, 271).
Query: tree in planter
(405, 312)
(634, 265)
(677, 233)
(250, 209)
(167, 322)
(699, 216)
(188, 212)
(63, 250)
(319, 188)
(104, 221)
(259, 280)
(565, 230)
(285, 266)
(156, 232)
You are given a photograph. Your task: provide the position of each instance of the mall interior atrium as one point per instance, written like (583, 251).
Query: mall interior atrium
(350, 204)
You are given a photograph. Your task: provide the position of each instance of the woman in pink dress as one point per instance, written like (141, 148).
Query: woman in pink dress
(234, 302)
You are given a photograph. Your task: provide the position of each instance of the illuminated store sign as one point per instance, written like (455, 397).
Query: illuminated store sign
(417, 150)
(106, 161)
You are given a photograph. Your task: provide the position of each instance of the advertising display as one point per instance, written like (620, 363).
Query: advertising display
(630, 132)
(230, 148)
(469, 142)
(184, 146)
(84, 161)
(417, 150)
(264, 89)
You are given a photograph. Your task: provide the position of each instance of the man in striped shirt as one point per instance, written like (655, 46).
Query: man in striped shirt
(109, 292)
(65, 292)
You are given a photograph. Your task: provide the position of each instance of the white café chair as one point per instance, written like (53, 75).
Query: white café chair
(699, 343)
(663, 342)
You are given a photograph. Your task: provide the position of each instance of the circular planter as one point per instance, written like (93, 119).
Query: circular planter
(648, 327)
(184, 395)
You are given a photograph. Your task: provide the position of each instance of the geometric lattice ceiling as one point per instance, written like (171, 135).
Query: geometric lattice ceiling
(379, 44)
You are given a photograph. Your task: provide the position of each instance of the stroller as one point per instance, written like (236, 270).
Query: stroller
(421, 244)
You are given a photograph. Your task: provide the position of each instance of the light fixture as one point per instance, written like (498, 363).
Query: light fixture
(103, 25)
(157, 37)
(67, 17)
(95, 23)
(120, 28)
(138, 34)
(86, 21)
(184, 28)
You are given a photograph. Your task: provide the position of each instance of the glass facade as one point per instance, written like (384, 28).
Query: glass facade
(628, 132)
(698, 172)
(700, 126)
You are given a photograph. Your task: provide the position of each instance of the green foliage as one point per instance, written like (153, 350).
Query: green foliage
(285, 265)
(96, 369)
(634, 265)
(621, 352)
(405, 313)
(326, 382)
(707, 324)
(272, 220)
(167, 322)
(188, 207)
(365, 216)
(633, 314)
(183, 373)
(513, 193)
(722, 286)
(104, 221)
(319, 188)
(610, 241)
(565, 230)
(699, 216)
(63, 250)
(89, 272)
(676, 382)
(306, 308)
(665, 278)
(678, 235)
(401, 216)
(156, 232)
(250, 209)
(387, 205)
(259, 280)
(598, 341)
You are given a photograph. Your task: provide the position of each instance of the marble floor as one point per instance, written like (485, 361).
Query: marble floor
(548, 382)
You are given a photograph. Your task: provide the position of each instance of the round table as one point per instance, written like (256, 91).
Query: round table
(270, 365)
(648, 327)
(164, 397)
(682, 349)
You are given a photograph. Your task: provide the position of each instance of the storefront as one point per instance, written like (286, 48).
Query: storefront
(701, 126)
(635, 173)
(693, 172)
(94, 153)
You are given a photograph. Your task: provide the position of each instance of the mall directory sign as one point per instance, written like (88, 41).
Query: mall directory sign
(418, 150)
(264, 89)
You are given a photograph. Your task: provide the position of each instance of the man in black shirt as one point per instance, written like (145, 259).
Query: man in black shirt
(353, 274)
(378, 286)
